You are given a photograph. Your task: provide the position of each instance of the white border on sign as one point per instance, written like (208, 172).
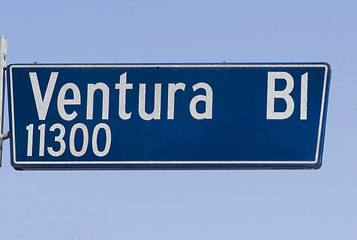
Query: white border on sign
(170, 66)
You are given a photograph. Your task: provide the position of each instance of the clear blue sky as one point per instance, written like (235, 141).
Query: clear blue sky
(100, 205)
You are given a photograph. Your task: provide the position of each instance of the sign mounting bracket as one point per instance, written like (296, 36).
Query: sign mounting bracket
(3, 56)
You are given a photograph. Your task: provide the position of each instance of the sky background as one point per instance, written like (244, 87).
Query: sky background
(237, 204)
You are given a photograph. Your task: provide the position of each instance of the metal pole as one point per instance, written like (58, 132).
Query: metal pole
(3, 55)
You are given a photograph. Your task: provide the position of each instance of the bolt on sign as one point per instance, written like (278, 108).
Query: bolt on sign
(168, 116)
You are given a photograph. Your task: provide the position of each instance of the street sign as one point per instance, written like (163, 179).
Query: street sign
(168, 116)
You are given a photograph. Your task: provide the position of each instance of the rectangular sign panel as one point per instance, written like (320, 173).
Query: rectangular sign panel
(168, 116)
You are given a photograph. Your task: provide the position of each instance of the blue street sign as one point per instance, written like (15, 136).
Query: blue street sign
(168, 116)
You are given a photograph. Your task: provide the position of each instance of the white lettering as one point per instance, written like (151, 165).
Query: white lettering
(157, 102)
(41, 151)
(29, 129)
(72, 136)
(108, 138)
(90, 99)
(58, 139)
(208, 99)
(284, 94)
(171, 98)
(122, 86)
(62, 101)
(69, 95)
(42, 104)
(303, 101)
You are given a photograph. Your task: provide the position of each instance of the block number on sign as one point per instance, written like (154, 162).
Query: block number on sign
(72, 138)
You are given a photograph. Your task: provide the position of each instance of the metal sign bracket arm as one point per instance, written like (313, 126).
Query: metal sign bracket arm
(3, 66)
